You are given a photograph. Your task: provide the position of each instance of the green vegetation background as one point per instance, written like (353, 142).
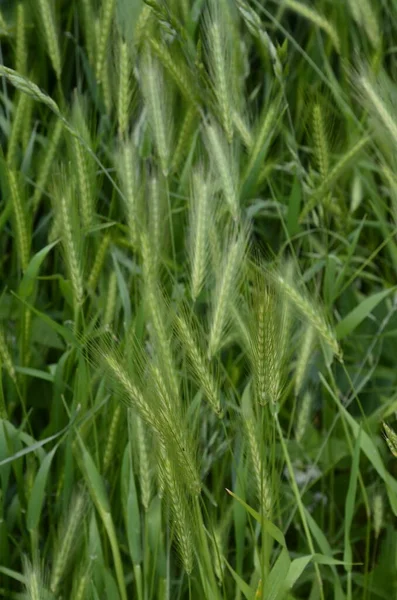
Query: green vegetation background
(198, 330)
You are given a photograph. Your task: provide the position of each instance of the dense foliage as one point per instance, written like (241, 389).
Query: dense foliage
(198, 258)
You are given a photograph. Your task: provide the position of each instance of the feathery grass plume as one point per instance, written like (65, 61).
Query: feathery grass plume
(314, 17)
(84, 165)
(309, 311)
(68, 219)
(270, 337)
(67, 542)
(110, 306)
(47, 16)
(21, 53)
(47, 160)
(35, 583)
(201, 210)
(200, 366)
(156, 218)
(262, 483)
(105, 24)
(225, 166)
(184, 140)
(226, 287)
(306, 346)
(391, 439)
(220, 48)
(127, 167)
(112, 434)
(89, 28)
(364, 15)
(243, 129)
(28, 131)
(108, 84)
(81, 579)
(175, 437)
(378, 513)
(157, 407)
(391, 180)
(179, 509)
(145, 478)
(142, 24)
(343, 163)
(26, 328)
(98, 262)
(155, 304)
(177, 71)
(21, 224)
(157, 102)
(125, 85)
(5, 356)
(303, 416)
(17, 127)
(262, 138)
(378, 95)
(320, 140)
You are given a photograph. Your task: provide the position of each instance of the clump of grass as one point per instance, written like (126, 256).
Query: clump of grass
(151, 186)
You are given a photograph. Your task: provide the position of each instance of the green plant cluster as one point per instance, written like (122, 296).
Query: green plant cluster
(198, 329)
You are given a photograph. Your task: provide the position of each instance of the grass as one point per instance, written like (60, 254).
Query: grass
(198, 323)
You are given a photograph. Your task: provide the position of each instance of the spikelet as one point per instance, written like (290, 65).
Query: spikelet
(46, 162)
(200, 217)
(144, 463)
(180, 511)
(314, 17)
(377, 94)
(262, 138)
(111, 438)
(270, 336)
(155, 305)
(127, 169)
(34, 580)
(262, 484)
(378, 513)
(303, 416)
(225, 289)
(98, 262)
(5, 356)
(176, 71)
(104, 27)
(174, 434)
(46, 9)
(17, 127)
(184, 137)
(156, 96)
(124, 90)
(224, 163)
(83, 166)
(391, 439)
(67, 539)
(307, 309)
(306, 345)
(111, 299)
(65, 209)
(89, 28)
(364, 15)
(320, 140)
(20, 219)
(220, 47)
(201, 368)
(156, 219)
(336, 171)
(21, 53)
